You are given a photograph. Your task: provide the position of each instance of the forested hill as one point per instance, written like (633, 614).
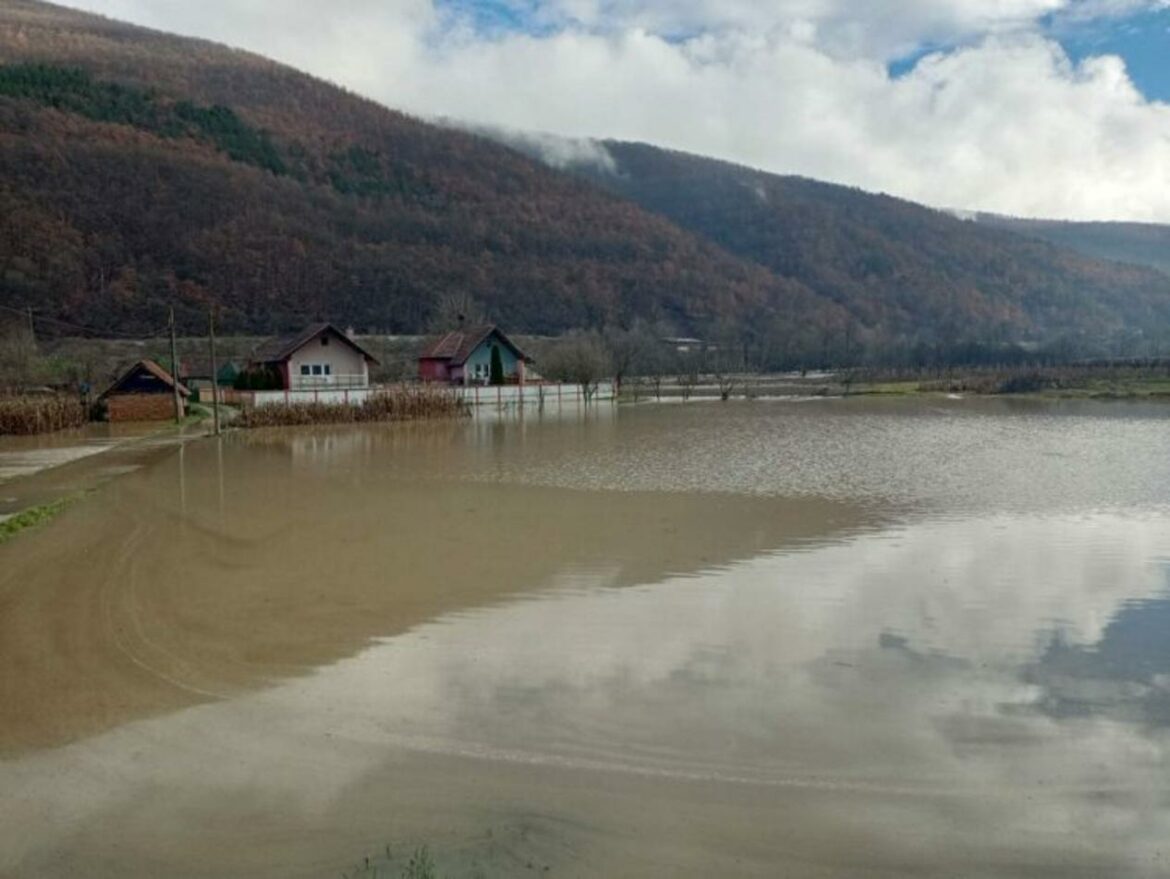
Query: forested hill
(139, 170)
(897, 265)
(1145, 244)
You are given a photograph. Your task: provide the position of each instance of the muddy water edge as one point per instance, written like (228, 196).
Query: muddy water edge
(836, 638)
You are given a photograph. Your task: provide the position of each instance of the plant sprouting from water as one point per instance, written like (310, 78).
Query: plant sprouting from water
(420, 865)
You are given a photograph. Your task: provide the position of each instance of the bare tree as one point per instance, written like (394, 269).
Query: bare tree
(581, 359)
(453, 310)
(726, 360)
(688, 372)
(656, 361)
(20, 363)
(726, 382)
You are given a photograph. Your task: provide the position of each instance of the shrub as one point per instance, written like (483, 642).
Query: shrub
(260, 379)
(1027, 383)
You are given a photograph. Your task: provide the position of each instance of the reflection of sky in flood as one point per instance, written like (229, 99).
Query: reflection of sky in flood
(963, 651)
(999, 677)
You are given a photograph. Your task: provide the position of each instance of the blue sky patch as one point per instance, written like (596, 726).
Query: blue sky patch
(493, 16)
(1143, 41)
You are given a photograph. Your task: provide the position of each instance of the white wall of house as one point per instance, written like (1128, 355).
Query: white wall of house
(333, 365)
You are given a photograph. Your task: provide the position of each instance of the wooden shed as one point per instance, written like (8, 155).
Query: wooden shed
(144, 392)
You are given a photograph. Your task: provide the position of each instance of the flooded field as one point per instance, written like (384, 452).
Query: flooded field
(834, 638)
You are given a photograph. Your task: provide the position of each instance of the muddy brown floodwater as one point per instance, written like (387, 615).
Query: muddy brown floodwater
(837, 638)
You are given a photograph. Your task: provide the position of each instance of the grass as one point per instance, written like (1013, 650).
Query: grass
(1061, 382)
(197, 412)
(887, 389)
(35, 517)
(420, 865)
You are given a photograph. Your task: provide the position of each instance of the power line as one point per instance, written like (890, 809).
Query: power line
(101, 334)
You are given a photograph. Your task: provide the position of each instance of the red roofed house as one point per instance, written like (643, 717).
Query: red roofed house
(320, 357)
(144, 392)
(465, 356)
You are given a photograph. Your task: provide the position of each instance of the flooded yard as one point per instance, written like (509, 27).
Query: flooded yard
(830, 638)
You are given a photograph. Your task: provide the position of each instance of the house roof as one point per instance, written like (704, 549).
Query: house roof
(459, 345)
(189, 369)
(281, 348)
(151, 367)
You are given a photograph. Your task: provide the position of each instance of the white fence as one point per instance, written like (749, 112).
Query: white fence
(540, 394)
(500, 396)
(284, 398)
(340, 382)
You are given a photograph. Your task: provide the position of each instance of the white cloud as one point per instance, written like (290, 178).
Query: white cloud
(554, 150)
(1004, 123)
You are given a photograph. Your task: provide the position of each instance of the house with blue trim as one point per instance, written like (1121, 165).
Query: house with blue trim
(479, 355)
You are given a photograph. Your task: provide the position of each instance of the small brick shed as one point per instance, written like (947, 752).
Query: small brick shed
(144, 392)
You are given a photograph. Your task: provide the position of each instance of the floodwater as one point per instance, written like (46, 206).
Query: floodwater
(47, 467)
(835, 638)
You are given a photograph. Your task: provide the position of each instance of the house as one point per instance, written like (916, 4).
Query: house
(144, 392)
(320, 357)
(196, 374)
(685, 345)
(465, 357)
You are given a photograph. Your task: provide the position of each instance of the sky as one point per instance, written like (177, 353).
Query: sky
(1041, 108)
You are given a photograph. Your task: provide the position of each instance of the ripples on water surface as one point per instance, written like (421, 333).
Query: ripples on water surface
(833, 638)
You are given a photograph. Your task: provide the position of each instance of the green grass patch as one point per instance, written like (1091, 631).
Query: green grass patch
(894, 389)
(35, 517)
(420, 864)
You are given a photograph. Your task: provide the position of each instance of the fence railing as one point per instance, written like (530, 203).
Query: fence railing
(540, 394)
(475, 396)
(343, 382)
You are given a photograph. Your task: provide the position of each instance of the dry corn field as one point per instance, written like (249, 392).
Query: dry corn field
(400, 404)
(30, 415)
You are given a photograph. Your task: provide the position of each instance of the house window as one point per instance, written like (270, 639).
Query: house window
(324, 340)
(305, 370)
(329, 369)
(317, 369)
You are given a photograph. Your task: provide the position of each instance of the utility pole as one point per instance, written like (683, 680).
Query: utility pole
(214, 367)
(175, 371)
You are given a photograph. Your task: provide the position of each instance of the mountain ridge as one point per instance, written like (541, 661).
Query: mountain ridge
(143, 170)
(893, 262)
(378, 218)
(1146, 244)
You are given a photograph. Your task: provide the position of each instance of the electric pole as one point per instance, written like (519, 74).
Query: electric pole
(214, 367)
(175, 371)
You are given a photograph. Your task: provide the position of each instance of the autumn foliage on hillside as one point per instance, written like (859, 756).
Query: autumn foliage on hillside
(901, 270)
(141, 170)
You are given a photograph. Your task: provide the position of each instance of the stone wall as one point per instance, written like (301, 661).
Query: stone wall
(141, 407)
